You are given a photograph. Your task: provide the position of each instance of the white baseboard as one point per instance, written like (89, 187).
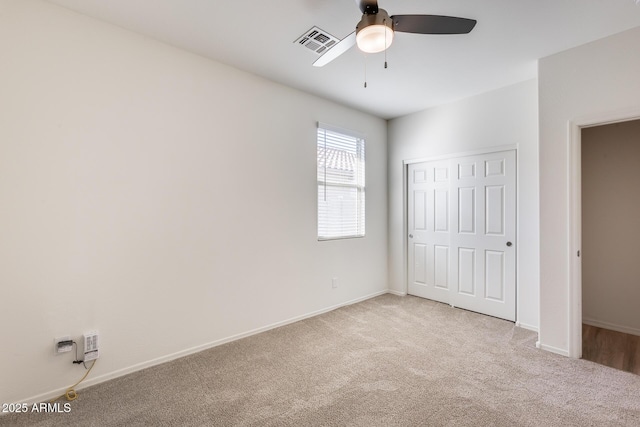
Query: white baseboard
(394, 292)
(525, 326)
(164, 359)
(552, 349)
(611, 326)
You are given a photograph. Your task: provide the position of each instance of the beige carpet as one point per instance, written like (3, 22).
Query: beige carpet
(388, 361)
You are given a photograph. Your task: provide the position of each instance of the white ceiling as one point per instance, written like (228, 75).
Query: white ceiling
(424, 70)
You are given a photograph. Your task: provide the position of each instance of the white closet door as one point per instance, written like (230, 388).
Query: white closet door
(462, 229)
(430, 226)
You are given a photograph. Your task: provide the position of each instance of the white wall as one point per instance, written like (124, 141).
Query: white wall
(593, 80)
(507, 116)
(164, 199)
(611, 226)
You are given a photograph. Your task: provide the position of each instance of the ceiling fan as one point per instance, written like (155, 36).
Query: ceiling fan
(374, 33)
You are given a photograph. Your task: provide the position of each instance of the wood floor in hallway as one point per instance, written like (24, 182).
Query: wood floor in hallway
(615, 349)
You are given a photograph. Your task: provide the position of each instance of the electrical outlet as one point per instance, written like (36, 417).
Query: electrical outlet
(91, 346)
(334, 282)
(62, 344)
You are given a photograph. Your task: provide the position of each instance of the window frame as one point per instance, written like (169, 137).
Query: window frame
(356, 154)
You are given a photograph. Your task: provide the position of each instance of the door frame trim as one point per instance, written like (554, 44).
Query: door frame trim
(405, 204)
(574, 215)
(487, 150)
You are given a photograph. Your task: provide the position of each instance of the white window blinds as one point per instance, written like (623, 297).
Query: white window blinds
(341, 188)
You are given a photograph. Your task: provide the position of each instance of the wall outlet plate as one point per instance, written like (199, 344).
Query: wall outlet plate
(62, 344)
(91, 346)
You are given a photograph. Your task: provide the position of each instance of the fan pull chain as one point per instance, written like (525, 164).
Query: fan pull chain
(365, 71)
(384, 22)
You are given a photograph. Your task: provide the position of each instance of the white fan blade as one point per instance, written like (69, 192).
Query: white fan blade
(338, 49)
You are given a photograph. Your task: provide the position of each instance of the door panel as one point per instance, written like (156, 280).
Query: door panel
(466, 271)
(420, 210)
(441, 173)
(494, 167)
(467, 211)
(441, 210)
(430, 222)
(494, 272)
(466, 170)
(420, 263)
(441, 266)
(494, 210)
(466, 219)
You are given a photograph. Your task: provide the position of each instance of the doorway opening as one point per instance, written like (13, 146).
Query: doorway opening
(610, 171)
(598, 122)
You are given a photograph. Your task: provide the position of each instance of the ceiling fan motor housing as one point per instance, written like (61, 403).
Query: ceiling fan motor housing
(374, 32)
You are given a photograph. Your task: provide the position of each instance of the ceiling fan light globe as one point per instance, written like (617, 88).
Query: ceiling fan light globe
(374, 38)
(374, 32)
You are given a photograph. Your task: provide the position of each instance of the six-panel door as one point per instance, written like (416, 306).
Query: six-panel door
(462, 225)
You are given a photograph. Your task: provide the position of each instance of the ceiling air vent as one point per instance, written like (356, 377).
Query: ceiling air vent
(317, 40)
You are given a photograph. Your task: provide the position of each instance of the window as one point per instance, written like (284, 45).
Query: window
(340, 183)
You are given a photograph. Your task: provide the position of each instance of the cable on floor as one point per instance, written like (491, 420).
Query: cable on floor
(71, 394)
